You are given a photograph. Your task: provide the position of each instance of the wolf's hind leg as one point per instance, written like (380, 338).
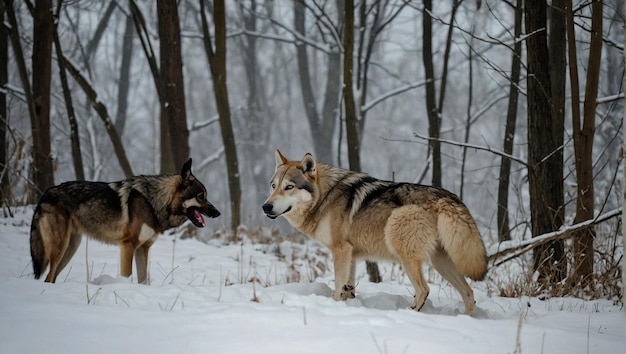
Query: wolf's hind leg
(74, 242)
(56, 232)
(414, 271)
(410, 234)
(443, 264)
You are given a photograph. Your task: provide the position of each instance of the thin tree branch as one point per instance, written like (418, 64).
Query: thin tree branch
(477, 147)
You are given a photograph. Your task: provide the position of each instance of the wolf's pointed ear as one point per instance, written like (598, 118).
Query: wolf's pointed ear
(280, 158)
(186, 171)
(308, 164)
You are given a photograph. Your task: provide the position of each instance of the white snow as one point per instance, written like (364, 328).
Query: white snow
(200, 301)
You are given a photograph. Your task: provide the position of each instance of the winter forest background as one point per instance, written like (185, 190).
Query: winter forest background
(479, 97)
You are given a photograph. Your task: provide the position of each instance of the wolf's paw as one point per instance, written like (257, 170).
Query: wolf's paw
(417, 307)
(347, 292)
(419, 302)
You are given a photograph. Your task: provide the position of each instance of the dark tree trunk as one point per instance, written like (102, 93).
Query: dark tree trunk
(431, 104)
(174, 132)
(352, 132)
(217, 63)
(43, 175)
(504, 231)
(548, 260)
(348, 93)
(582, 268)
(558, 66)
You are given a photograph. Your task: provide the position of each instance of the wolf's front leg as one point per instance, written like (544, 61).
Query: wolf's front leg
(141, 262)
(342, 259)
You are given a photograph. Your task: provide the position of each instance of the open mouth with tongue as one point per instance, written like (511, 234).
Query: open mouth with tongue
(195, 215)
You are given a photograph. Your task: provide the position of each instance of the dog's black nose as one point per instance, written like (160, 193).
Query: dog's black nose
(267, 208)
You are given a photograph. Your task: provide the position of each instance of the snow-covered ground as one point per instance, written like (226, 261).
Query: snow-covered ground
(202, 300)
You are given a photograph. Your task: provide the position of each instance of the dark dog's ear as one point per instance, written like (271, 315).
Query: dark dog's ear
(308, 164)
(185, 173)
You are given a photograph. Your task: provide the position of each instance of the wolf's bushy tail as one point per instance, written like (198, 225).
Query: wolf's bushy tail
(461, 239)
(37, 250)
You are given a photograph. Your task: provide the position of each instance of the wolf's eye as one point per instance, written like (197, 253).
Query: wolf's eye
(289, 187)
(200, 197)
(273, 185)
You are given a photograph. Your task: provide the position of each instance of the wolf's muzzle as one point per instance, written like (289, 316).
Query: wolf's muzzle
(268, 210)
(194, 214)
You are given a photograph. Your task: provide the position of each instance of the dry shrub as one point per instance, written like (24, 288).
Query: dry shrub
(605, 282)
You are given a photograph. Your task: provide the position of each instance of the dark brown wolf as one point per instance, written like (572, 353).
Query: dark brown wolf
(358, 216)
(129, 213)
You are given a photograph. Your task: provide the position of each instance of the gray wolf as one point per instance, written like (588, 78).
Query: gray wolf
(358, 216)
(130, 213)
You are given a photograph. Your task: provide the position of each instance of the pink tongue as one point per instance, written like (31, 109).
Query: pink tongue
(198, 216)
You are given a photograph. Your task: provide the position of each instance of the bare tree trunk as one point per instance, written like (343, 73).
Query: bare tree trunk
(352, 135)
(431, 104)
(254, 127)
(77, 157)
(92, 46)
(504, 231)
(332, 103)
(174, 133)
(558, 64)
(468, 119)
(370, 30)
(624, 174)
(5, 186)
(144, 38)
(365, 51)
(217, 63)
(548, 260)
(42, 71)
(446, 59)
(322, 127)
(124, 80)
(23, 72)
(582, 269)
